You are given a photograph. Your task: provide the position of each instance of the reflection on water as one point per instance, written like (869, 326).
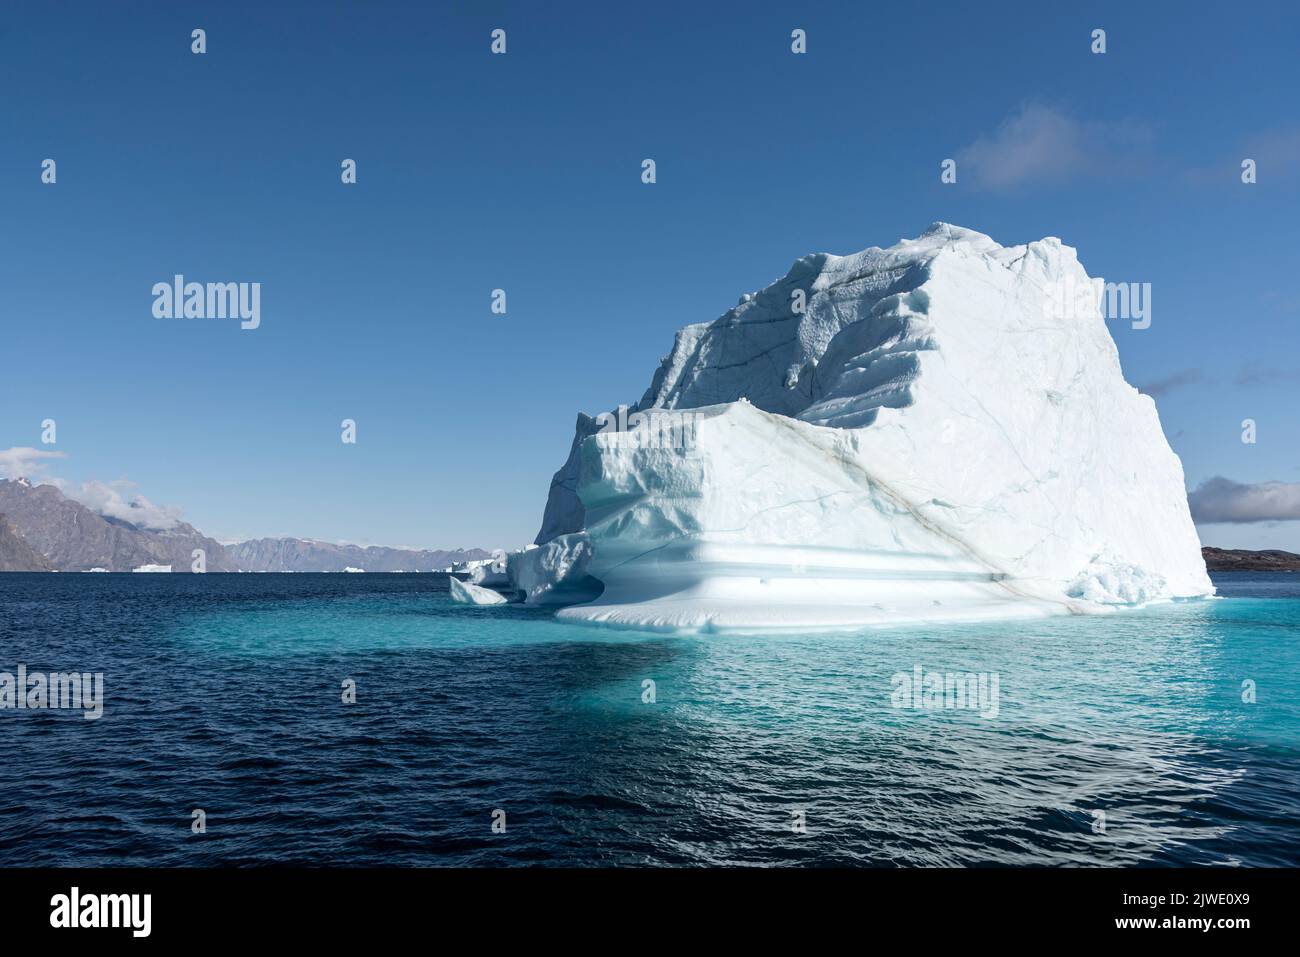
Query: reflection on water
(1117, 740)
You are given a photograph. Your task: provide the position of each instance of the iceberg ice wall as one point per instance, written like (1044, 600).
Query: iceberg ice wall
(929, 438)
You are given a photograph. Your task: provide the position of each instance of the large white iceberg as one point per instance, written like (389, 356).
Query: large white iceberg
(906, 434)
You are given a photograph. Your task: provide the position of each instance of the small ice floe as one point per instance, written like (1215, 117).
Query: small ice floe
(469, 594)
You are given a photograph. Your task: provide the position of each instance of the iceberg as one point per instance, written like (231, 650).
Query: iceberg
(467, 593)
(909, 434)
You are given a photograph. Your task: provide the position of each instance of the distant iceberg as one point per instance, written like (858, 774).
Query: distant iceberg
(152, 568)
(909, 434)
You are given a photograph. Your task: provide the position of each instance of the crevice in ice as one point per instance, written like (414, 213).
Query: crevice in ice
(900, 501)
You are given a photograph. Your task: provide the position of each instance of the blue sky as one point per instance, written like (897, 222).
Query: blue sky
(522, 172)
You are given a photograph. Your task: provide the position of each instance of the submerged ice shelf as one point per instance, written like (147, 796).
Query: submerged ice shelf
(927, 438)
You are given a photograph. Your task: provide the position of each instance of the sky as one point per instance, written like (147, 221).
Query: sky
(522, 172)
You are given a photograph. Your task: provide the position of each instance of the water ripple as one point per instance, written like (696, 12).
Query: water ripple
(224, 693)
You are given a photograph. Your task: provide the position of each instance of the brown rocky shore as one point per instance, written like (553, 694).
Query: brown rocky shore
(1240, 559)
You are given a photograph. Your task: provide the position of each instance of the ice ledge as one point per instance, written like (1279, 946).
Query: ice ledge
(749, 614)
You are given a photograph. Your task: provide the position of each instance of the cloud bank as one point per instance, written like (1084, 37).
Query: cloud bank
(1276, 153)
(1176, 381)
(1254, 374)
(1223, 500)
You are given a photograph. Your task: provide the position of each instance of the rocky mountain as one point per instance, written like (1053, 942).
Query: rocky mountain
(1241, 559)
(74, 538)
(47, 531)
(305, 555)
(15, 554)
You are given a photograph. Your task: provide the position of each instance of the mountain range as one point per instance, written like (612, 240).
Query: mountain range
(305, 555)
(41, 529)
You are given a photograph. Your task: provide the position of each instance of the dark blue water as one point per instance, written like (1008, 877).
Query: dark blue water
(223, 692)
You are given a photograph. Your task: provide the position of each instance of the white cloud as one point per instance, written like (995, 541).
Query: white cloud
(1276, 151)
(1276, 154)
(19, 462)
(117, 500)
(1041, 144)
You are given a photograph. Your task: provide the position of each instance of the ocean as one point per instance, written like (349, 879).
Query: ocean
(497, 736)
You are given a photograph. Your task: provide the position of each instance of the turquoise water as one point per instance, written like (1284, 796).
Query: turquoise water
(223, 692)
